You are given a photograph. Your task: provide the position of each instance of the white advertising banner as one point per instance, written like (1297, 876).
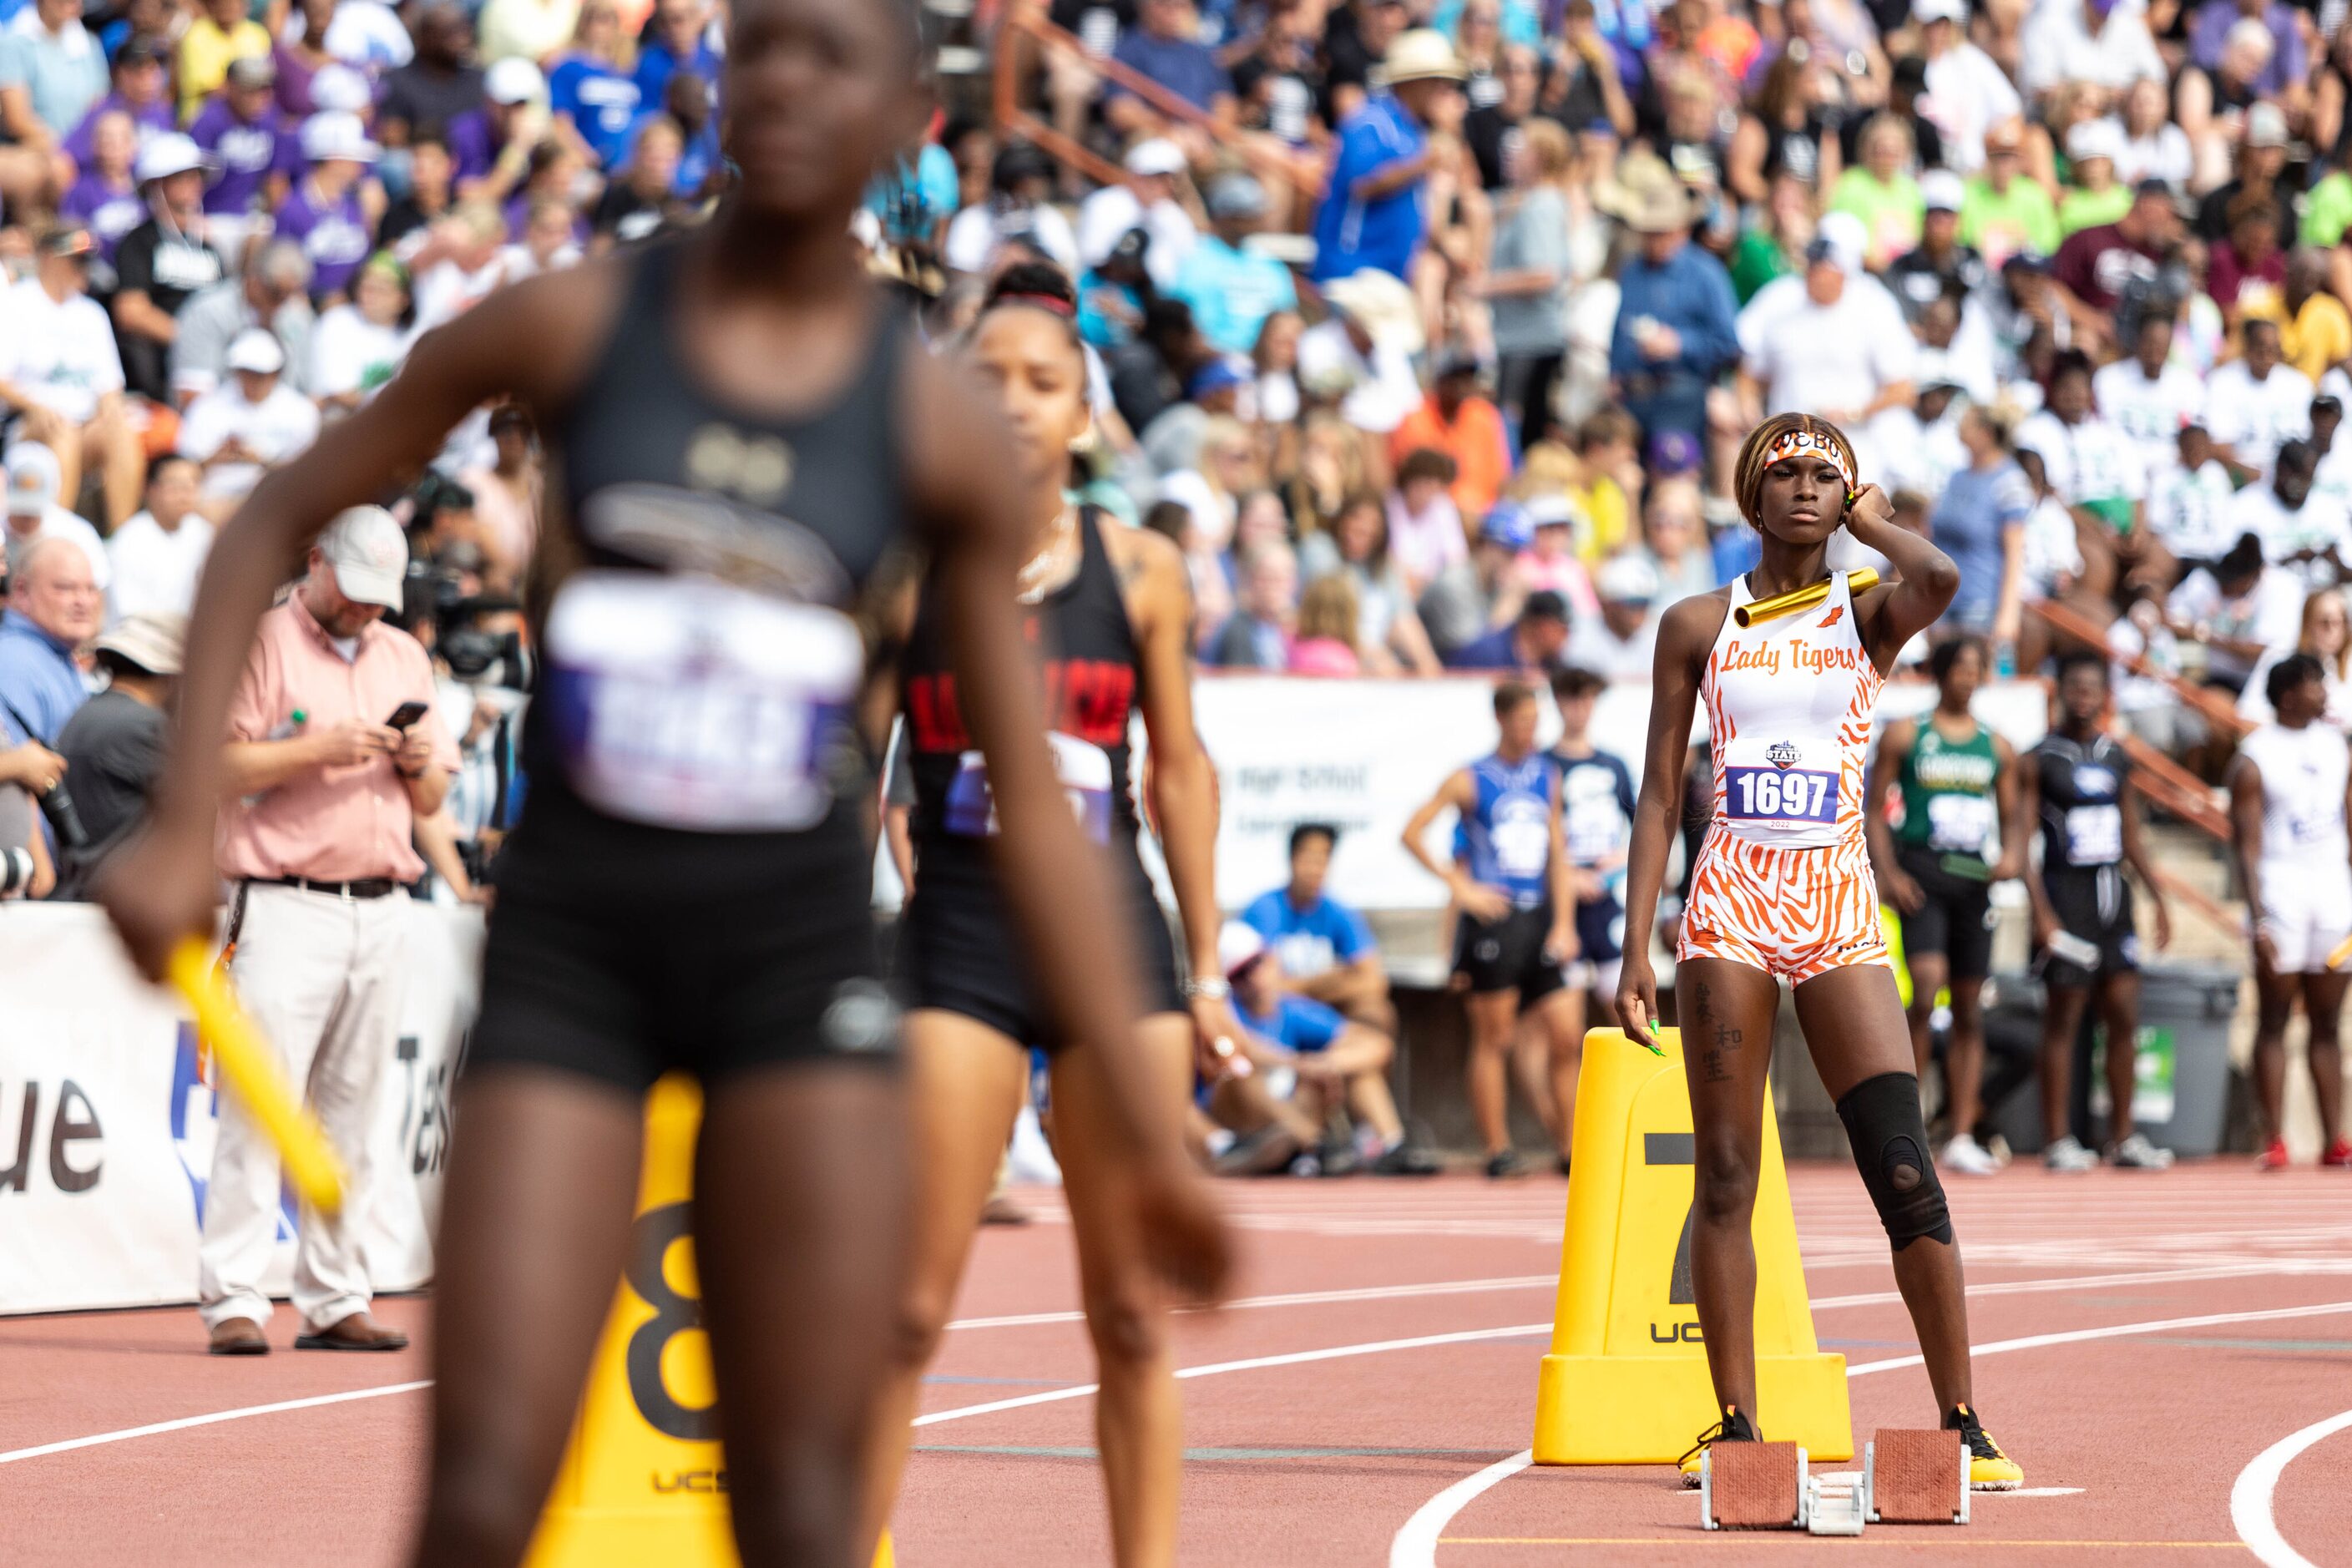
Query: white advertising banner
(1364, 754)
(106, 1133)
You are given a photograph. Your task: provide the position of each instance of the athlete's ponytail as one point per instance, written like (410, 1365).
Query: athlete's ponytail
(1766, 446)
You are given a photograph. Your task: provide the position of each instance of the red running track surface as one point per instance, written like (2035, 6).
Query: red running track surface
(1387, 1347)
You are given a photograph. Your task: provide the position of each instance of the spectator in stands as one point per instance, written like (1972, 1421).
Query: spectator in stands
(250, 423)
(1621, 644)
(1153, 199)
(530, 30)
(34, 514)
(222, 31)
(1881, 191)
(1970, 94)
(2189, 498)
(1471, 597)
(2093, 195)
(642, 199)
(355, 348)
(1259, 634)
(1166, 49)
(491, 143)
(1231, 287)
(680, 42)
(2315, 330)
(1673, 539)
(52, 71)
(60, 374)
(2004, 211)
(2262, 155)
(1550, 560)
(55, 605)
(2307, 532)
(588, 91)
(1534, 643)
(317, 827)
(1676, 329)
(1425, 528)
(114, 745)
(1328, 643)
(1528, 277)
(507, 492)
(1832, 344)
(253, 147)
(1458, 420)
(2240, 607)
(2099, 263)
(162, 262)
(272, 291)
(1371, 215)
(157, 556)
(1019, 210)
(1939, 263)
(139, 95)
(334, 207)
(2254, 404)
(1980, 521)
(1355, 545)
(437, 85)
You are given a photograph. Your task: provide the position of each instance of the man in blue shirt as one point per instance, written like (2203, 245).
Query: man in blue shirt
(1677, 319)
(1233, 290)
(1371, 214)
(589, 90)
(1168, 49)
(678, 44)
(1532, 644)
(1327, 951)
(53, 607)
(1307, 1063)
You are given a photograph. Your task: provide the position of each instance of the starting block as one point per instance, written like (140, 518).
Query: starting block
(1752, 1486)
(1915, 1478)
(1836, 1503)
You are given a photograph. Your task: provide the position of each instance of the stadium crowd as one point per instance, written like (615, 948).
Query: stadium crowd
(1426, 328)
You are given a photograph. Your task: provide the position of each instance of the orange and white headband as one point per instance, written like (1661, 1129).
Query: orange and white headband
(1801, 441)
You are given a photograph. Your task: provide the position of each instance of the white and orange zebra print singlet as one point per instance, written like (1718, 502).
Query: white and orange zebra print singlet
(1789, 704)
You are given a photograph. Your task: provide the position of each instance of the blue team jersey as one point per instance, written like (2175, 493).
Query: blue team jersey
(1297, 1024)
(1312, 941)
(1508, 828)
(1596, 806)
(601, 101)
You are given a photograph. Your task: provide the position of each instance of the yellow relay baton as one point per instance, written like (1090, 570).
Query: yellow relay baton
(252, 1073)
(1796, 601)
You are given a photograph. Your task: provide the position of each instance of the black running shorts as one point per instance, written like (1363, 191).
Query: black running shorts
(2094, 905)
(622, 953)
(1508, 954)
(1957, 919)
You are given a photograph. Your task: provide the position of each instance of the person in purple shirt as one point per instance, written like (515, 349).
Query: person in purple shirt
(140, 91)
(105, 200)
(328, 212)
(254, 154)
(2209, 32)
(679, 44)
(491, 146)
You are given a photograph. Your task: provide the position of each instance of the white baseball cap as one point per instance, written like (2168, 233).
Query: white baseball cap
(368, 554)
(514, 80)
(256, 349)
(2265, 126)
(339, 86)
(166, 154)
(1155, 155)
(1239, 945)
(2095, 139)
(337, 134)
(1840, 240)
(1926, 10)
(1627, 579)
(1940, 191)
(33, 479)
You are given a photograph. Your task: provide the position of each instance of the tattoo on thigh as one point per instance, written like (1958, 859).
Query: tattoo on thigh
(1726, 1039)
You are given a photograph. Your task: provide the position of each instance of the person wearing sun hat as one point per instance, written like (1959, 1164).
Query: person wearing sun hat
(329, 209)
(1371, 215)
(114, 745)
(1676, 315)
(162, 263)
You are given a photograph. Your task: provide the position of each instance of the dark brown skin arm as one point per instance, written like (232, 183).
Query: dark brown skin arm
(2029, 811)
(2009, 799)
(524, 342)
(2136, 856)
(1893, 613)
(1893, 747)
(1684, 635)
(2246, 841)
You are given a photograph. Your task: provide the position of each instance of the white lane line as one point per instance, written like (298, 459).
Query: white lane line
(2250, 1499)
(1415, 1546)
(1416, 1543)
(1301, 1298)
(182, 1425)
(1213, 1369)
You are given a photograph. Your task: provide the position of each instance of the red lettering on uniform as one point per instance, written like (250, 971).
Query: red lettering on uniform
(1090, 699)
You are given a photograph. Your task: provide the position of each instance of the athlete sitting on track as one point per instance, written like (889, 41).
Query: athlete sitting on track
(1783, 891)
(1956, 777)
(2287, 807)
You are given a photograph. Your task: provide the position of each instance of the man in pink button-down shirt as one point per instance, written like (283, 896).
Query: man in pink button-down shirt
(323, 796)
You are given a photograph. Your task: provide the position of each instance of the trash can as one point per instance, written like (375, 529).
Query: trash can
(2182, 1094)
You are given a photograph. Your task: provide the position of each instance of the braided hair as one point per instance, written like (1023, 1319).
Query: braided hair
(1747, 473)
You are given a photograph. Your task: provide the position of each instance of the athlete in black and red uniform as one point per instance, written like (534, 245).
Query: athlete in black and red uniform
(1108, 613)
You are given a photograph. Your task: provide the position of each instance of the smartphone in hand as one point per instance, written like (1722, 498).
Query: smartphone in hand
(407, 714)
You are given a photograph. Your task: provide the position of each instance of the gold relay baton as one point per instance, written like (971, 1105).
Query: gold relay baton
(252, 1073)
(1796, 601)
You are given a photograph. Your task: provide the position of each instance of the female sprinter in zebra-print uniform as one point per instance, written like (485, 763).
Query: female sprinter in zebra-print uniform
(1783, 890)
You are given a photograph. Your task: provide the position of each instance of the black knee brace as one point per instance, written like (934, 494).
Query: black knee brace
(1890, 1146)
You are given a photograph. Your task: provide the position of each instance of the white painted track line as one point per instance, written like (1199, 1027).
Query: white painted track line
(2250, 1499)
